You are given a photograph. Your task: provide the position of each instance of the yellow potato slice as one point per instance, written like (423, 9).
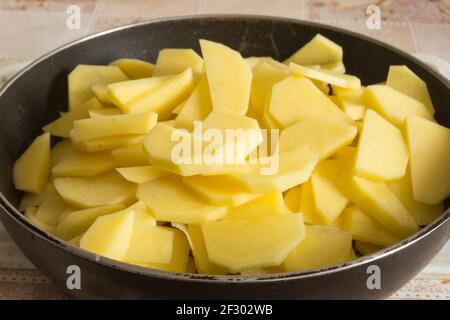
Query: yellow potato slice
(406, 81)
(104, 112)
(229, 77)
(110, 235)
(376, 199)
(141, 174)
(353, 110)
(118, 125)
(220, 190)
(77, 222)
(294, 167)
(180, 254)
(327, 198)
(84, 76)
(149, 244)
(365, 248)
(101, 93)
(185, 206)
(296, 97)
(202, 262)
(31, 170)
(256, 61)
(268, 204)
(173, 61)
(107, 143)
(164, 98)
(60, 150)
(265, 75)
(102, 190)
(394, 105)
(131, 156)
(319, 50)
(364, 228)
(82, 164)
(321, 247)
(122, 93)
(422, 213)
(322, 135)
(429, 146)
(61, 127)
(382, 153)
(292, 199)
(30, 214)
(197, 106)
(241, 244)
(50, 210)
(134, 68)
(36, 199)
(327, 76)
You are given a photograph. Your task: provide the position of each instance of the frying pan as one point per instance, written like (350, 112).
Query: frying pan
(38, 93)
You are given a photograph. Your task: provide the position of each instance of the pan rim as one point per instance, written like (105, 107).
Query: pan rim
(19, 218)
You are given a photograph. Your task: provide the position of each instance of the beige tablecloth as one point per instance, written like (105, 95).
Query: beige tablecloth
(30, 28)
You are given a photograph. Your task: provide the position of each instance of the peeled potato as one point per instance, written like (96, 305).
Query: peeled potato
(134, 68)
(173, 61)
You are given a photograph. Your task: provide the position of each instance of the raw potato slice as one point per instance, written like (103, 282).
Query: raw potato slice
(353, 110)
(393, 105)
(337, 66)
(104, 112)
(404, 80)
(61, 127)
(231, 135)
(173, 61)
(328, 199)
(327, 76)
(296, 97)
(50, 210)
(292, 199)
(77, 222)
(377, 200)
(322, 135)
(241, 244)
(229, 77)
(131, 156)
(164, 98)
(363, 228)
(166, 147)
(81, 164)
(36, 199)
(149, 244)
(321, 247)
(60, 150)
(142, 214)
(170, 200)
(141, 174)
(180, 107)
(284, 171)
(134, 68)
(197, 106)
(84, 76)
(31, 170)
(103, 190)
(265, 75)
(422, 213)
(220, 190)
(110, 235)
(75, 241)
(365, 248)
(203, 263)
(30, 214)
(101, 93)
(256, 61)
(350, 95)
(382, 153)
(319, 50)
(268, 204)
(429, 146)
(180, 255)
(119, 125)
(107, 143)
(307, 205)
(122, 93)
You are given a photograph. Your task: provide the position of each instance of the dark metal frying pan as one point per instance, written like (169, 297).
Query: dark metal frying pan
(39, 93)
